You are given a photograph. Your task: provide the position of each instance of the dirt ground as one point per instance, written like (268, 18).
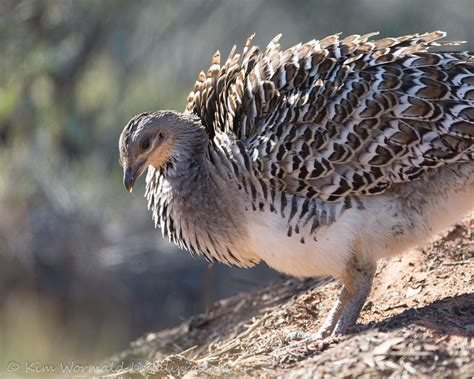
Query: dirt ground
(418, 322)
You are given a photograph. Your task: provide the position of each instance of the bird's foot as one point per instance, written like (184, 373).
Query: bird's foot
(299, 339)
(299, 335)
(312, 341)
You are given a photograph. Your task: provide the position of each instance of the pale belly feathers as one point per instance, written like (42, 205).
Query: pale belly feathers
(383, 225)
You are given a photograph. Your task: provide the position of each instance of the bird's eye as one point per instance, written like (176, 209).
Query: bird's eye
(145, 143)
(161, 136)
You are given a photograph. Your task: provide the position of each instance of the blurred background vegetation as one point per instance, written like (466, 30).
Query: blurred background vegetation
(81, 269)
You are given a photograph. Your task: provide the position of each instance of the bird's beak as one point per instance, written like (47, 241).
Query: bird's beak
(131, 173)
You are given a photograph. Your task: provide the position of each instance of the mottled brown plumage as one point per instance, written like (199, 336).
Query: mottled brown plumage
(339, 117)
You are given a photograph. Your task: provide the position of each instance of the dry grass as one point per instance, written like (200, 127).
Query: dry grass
(419, 321)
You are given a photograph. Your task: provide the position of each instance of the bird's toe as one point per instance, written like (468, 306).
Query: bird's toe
(300, 335)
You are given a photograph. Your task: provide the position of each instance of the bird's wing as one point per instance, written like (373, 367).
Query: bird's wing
(221, 98)
(336, 117)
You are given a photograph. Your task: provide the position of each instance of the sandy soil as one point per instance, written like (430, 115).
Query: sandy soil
(418, 322)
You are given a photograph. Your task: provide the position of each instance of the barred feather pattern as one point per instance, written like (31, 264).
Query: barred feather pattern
(194, 225)
(339, 118)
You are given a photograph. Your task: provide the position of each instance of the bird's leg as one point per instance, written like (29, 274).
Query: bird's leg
(329, 324)
(357, 282)
(334, 314)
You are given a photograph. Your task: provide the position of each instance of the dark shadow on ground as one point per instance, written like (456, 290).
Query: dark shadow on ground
(448, 316)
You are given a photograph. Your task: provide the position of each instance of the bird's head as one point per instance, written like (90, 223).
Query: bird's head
(158, 139)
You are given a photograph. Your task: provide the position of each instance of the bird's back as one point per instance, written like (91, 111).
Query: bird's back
(336, 118)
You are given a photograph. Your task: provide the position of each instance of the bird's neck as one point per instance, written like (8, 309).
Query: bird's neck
(199, 208)
(200, 191)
